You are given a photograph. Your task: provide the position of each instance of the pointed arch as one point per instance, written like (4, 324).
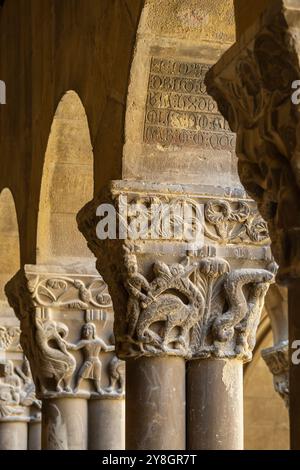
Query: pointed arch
(67, 184)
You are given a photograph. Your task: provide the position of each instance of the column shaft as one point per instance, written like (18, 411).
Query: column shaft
(215, 404)
(13, 435)
(106, 424)
(155, 403)
(34, 435)
(64, 424)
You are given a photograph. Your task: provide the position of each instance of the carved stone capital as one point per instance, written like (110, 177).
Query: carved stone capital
(198, 308)
(253, 84)
(17, 391)
(66, 332)
(171, 299)
(277, 360)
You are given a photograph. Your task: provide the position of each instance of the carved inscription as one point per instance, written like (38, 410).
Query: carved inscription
(179, 111)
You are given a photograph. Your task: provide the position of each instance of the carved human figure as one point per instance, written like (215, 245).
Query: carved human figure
(139, 292)
(91, 346)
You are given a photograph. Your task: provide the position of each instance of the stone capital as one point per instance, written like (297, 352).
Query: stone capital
(171, 297)
(277, 360)
(66, 321)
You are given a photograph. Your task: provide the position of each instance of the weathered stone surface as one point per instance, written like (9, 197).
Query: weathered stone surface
(179, 111)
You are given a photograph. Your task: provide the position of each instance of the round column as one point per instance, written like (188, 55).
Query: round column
(155, 403)
(215, 404)
(64, 423)
(13, 434)
(35, 434)
(106, 418)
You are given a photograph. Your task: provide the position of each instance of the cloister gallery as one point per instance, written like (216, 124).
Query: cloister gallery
(152, 342)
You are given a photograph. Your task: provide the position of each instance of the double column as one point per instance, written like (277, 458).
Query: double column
(186, 312)
(66, 332)
(225, 339)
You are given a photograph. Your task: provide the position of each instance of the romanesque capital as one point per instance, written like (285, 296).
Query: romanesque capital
(173, 296)
(66, 332)
(17, 391)
(277, 360)
(255, 86)
(197, 308)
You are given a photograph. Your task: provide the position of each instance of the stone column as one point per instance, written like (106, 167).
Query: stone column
(175, 302)
(156, 306)
(106, 411)
(256, 86)
(35, 430)
(178, 170)
(223, 340)
(66, 331)
(215, 399)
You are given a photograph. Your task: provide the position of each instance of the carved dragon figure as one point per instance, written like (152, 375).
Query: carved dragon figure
(243, 314)
(52, 360)
(179, 310)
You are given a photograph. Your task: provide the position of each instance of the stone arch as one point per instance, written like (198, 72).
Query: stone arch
(67, 184)
(9, 243)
